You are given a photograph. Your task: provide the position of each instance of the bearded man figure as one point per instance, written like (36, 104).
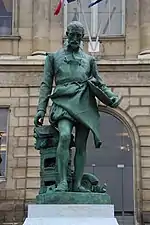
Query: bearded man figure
(74, 102)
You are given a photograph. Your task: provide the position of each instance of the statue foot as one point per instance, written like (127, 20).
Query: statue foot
(80, 189)
(62, 186)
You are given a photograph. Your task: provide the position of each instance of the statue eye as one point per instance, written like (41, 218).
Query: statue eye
(71, 34)
(79, 35)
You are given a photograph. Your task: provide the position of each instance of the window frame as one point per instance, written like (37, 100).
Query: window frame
(15, 17)
(94, 21)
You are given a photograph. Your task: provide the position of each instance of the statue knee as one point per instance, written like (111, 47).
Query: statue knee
(65, 138)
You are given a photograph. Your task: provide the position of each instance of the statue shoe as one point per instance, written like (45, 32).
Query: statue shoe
(62, 186)
(80, 189)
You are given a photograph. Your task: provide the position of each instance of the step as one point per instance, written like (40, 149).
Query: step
(70, 221)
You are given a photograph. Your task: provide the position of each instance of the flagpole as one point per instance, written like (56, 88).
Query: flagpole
(99, 30)
(109, 19)
(97, 37)
(90, 39)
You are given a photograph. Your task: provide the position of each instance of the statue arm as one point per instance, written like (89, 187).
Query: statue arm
(95, 73)
(46, 84)
(115, 100)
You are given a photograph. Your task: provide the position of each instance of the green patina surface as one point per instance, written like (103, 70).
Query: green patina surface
(46, 141)
(73, 198)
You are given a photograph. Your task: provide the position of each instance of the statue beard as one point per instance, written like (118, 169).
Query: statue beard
(74, 46)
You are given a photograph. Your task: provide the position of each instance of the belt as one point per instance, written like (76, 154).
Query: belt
(71, 82)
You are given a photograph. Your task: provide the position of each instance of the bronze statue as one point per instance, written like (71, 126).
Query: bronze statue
(74, 105)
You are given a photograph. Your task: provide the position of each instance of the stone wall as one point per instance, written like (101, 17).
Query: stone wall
(37, 29)
(19, 90)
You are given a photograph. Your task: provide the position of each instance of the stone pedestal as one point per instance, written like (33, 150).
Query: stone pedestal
(71, 215)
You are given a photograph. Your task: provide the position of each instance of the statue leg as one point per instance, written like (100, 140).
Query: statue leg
(65, 129)
(82, 133)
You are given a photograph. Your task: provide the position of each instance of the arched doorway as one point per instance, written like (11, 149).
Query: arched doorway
(113, 164)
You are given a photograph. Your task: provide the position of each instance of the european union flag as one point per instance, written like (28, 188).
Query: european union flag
(94, 3)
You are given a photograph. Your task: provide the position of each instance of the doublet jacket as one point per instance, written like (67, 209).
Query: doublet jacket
(63, 67)
(70, 72)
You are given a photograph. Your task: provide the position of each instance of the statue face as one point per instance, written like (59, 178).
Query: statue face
(74, 38)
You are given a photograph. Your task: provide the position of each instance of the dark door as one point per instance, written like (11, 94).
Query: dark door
(113, 164)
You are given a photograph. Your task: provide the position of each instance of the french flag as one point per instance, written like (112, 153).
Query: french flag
(60, 5)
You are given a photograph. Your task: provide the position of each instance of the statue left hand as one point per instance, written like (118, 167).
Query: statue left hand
(38, 119)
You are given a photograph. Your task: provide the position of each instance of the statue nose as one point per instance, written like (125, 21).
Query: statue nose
(76, 36)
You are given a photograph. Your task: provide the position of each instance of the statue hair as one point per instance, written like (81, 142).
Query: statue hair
(75, 25)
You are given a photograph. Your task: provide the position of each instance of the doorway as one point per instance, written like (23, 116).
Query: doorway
(113, 164)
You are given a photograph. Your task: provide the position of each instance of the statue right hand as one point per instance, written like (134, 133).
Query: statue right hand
(39, 118)
(115, 102)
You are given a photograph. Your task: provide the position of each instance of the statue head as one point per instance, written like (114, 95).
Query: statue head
(75, 34)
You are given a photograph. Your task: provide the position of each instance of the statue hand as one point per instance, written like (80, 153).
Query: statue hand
(115, 102)
(39, 118)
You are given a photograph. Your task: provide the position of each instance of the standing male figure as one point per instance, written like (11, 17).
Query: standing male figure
(74, 103)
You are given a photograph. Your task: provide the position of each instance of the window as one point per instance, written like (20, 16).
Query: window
(74, 13)
(3, 139)
(6, 17)
(106, 18)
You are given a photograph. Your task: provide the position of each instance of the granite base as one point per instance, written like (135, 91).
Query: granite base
(71, 215)
(80, 210)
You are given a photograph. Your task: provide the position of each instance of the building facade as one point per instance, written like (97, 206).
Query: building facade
(27, 27)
